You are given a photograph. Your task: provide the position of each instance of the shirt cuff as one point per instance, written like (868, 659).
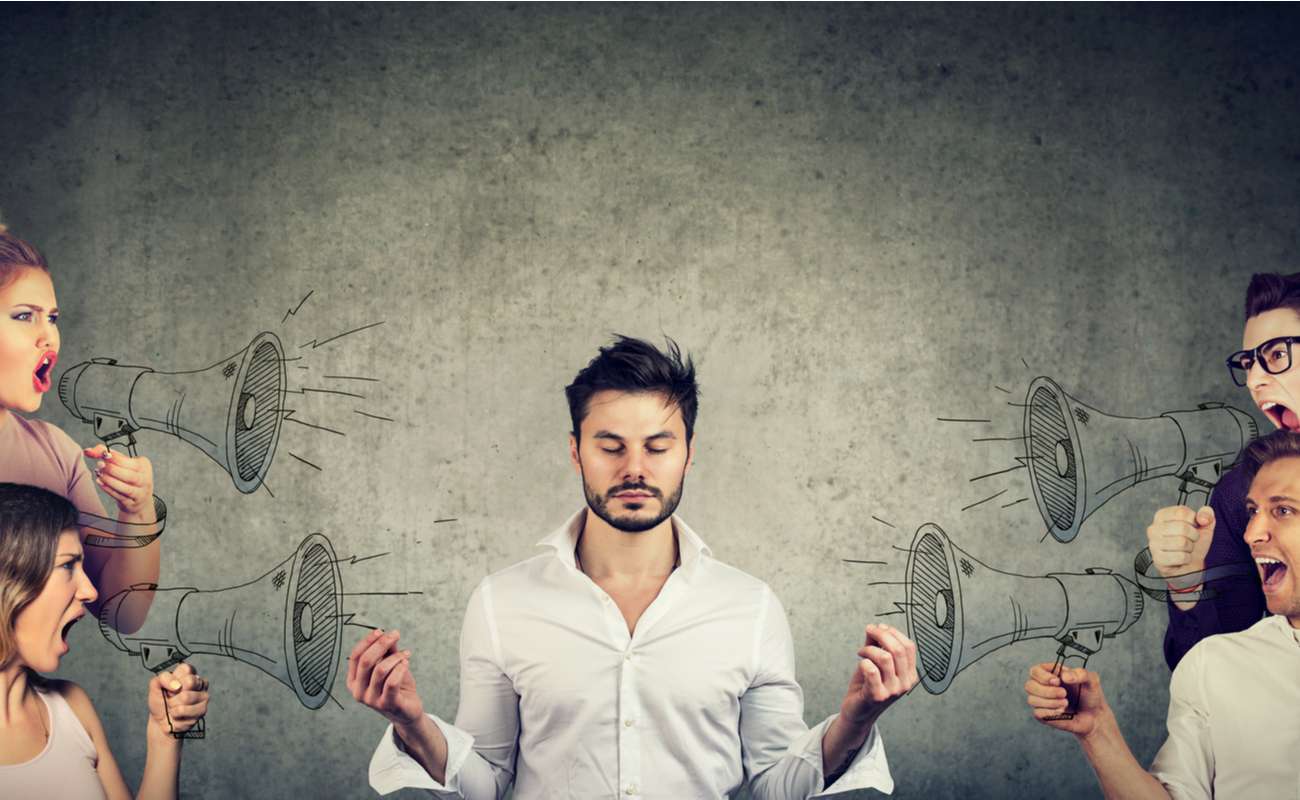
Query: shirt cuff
(869, 768)
(391, 768)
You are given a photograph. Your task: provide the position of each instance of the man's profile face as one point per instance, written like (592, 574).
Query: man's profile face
(1273, 534)
(1278, 396)
(632, 457)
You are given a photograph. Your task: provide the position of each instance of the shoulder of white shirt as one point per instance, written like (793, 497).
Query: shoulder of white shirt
(1273, 627)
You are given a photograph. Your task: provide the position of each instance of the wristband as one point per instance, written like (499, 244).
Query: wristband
(123, 535)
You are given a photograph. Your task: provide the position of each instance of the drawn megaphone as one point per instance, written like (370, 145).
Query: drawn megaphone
(231, 410)
(287, 623)
(960, 609)
(1079, 457)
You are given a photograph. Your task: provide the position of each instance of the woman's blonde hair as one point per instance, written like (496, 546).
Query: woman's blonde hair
(16, 254)
(31, 520)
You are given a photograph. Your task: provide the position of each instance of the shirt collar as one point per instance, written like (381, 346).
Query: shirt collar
(565, 538)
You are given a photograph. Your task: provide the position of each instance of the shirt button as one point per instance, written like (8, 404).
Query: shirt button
(627, 723)
(631, 789)
(627, 656)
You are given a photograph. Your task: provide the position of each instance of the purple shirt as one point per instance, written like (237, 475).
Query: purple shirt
(1239, 601)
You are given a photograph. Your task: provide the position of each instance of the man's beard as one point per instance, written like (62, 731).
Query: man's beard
(599, 504)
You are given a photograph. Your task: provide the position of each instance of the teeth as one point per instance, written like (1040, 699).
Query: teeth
(1268, 405)
(1267, 561)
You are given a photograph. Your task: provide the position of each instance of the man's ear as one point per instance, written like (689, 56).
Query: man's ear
(690, 456)
(573, 454)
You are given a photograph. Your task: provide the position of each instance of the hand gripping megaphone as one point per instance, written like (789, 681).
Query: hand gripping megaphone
(287, 623)
(960, 610)
(1079, 457)
(231, 410)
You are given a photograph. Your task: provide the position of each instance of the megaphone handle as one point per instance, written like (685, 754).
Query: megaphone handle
(115, 442)
(1191, 493)
(1071, 694)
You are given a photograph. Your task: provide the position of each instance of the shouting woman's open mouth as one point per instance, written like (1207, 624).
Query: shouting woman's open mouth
(43, 374)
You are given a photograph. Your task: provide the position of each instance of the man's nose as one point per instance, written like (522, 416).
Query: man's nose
(634, 465)
(1256, 376)
(1257, 530)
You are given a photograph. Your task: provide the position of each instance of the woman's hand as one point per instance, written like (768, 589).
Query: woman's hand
(177, 699)
(126, 479)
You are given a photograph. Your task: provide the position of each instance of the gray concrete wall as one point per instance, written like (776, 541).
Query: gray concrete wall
(858, 220)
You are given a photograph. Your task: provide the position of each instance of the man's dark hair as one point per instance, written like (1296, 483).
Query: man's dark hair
(632, 365)
(1270, 290)
(1270, 448)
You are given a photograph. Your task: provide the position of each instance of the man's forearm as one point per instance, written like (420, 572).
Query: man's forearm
(840, 746)
(1120, 774)
(424, 742)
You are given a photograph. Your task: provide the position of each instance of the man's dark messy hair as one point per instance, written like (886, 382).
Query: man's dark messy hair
(633, 365)
(1270, 290)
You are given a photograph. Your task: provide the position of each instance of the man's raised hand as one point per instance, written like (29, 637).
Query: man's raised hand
(886, 671)
(1179, 539)
(379, 676)
(1048, 695)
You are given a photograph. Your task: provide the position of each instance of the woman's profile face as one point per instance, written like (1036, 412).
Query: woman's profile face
(41, 628)
(29, 339)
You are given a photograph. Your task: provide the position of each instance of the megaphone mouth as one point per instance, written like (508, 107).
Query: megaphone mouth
(1054, 468)
(313, 637)
(256, 413)
(934, 610)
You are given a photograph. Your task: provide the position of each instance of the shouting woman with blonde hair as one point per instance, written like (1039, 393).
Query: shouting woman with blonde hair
(36, 453)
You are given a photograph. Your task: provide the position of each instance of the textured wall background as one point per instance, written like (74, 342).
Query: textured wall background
(859, 220)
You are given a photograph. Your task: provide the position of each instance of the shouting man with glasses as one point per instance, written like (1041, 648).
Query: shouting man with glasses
(1184, 540)
(625, 661)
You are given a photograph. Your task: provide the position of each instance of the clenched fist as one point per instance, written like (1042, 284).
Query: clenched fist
(178, 699)
(1179, 539)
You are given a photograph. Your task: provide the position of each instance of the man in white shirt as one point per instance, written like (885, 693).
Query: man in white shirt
(1233, 726)
(625, 660)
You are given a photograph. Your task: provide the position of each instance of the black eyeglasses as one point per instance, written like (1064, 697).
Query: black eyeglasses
(1274, 356)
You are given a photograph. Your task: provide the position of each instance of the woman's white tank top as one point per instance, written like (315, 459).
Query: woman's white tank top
(64, 770)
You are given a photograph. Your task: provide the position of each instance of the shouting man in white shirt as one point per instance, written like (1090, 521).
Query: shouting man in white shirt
(626, 661)
(1233, 727)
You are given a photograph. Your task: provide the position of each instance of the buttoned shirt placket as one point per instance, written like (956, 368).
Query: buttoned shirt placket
(631, 716)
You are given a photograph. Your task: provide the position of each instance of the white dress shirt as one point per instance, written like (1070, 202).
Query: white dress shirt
(557, 697)
(1234, 717)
